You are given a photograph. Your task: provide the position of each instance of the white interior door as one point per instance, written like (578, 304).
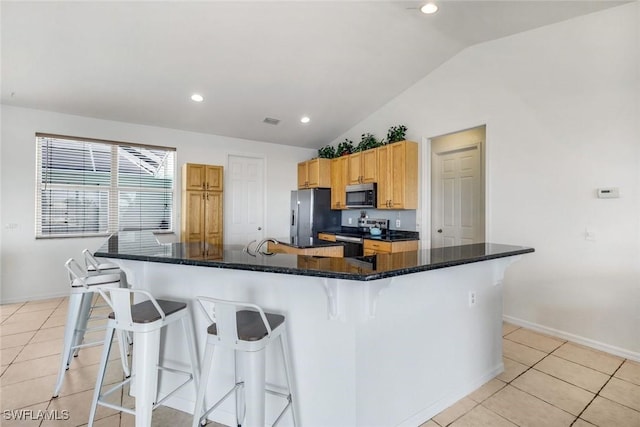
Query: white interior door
(244, 196)
(457, 194)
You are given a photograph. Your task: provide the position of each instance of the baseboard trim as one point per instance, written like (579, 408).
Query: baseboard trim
(587, 342)
(34, 298)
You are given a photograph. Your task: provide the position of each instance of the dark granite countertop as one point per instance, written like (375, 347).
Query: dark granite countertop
(307, 243)
(143, 246)
(386, 236)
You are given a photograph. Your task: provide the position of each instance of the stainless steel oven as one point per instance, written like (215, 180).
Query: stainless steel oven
(352, 245)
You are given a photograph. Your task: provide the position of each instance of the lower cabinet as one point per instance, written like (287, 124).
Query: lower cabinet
(324, 251)
(372, 247)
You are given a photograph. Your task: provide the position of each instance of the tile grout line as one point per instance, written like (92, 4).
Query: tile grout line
(598, 393)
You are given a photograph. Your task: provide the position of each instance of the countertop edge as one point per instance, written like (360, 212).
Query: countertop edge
(316, 273)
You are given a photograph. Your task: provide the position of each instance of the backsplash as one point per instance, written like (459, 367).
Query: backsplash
(407, 218)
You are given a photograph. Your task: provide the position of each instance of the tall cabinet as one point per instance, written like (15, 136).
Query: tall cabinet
(202, 203)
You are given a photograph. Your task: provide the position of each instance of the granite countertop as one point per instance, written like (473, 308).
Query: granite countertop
(386, 236)
(143, 246)
(306, 243)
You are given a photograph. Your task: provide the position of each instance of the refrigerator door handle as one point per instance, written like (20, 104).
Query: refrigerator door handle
(293, 217)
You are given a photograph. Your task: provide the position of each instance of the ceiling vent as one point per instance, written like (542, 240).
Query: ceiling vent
(270, 121)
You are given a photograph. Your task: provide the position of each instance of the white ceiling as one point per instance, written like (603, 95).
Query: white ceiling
(336, 61)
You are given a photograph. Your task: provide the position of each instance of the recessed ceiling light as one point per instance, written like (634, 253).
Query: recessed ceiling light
(429, 8)
(197, 97)
(305, 119)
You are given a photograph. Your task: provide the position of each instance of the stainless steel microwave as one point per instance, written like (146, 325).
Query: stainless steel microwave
(361, 196)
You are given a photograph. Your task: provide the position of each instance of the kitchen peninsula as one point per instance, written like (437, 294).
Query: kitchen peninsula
(384, 340)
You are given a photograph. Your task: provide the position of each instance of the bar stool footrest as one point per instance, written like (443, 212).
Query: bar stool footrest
(219, 402)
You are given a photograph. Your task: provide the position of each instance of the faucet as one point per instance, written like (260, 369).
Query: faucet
(247, 249)
(262, 242)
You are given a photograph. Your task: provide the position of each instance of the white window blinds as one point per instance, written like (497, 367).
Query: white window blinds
(88, 187)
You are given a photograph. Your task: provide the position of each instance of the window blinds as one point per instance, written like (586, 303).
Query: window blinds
(88, 187)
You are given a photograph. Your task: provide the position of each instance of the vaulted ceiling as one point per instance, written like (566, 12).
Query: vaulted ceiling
(334, 61)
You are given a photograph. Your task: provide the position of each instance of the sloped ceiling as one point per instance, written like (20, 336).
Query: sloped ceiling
(335, 61)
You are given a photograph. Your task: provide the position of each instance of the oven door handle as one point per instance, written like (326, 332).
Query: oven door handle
(348, 239)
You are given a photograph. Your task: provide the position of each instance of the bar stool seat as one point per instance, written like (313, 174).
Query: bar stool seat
(83, 288)
(247, 333)
(145, 320)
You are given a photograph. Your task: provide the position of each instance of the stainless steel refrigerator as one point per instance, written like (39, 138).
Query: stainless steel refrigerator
(311, 212)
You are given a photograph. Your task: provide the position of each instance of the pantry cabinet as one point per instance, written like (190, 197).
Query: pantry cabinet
(201, 219)
(315, 173)
(398, 175)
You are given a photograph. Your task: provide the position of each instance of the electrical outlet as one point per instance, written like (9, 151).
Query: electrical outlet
(472, 298)
(397, 223)
(350, 220)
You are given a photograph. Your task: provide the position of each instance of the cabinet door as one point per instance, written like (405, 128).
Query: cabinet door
(403, 175)
(397, 179)
(384, 194)
(214, 176)
(355, 168)
(194, 176)
(213, 218)
(339, 171)
(303, 180)
(313, 173)
(193, 211)
(369, 166)
(319, 173)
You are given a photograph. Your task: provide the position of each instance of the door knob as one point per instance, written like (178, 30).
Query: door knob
(440, 230)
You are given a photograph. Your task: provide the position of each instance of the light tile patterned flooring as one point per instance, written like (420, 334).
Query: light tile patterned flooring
(546, 382)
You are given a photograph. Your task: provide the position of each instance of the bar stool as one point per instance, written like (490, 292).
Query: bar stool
(146, 320)
(95, 267)
(248, 333)
(83, 289)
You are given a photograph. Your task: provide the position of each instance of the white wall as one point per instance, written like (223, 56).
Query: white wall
(561, 108)
(33, 268)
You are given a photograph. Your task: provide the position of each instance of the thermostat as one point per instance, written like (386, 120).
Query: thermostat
(608, 193)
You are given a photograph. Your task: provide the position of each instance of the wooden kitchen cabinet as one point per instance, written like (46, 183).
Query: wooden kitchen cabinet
(398, 175)
(363, 167)
(201, 219)
(202, 177)
(315, 173)
(322, 251)
(327, 237)
(339, 178)
(372, 247)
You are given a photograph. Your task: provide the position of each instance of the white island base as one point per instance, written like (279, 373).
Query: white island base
(388, 352)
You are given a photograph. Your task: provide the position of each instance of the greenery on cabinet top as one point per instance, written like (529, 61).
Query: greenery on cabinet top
(367, 142)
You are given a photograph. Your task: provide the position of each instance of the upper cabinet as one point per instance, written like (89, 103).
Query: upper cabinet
(339, 178)
(202, 177)
(314, 173)
(398, 175)
(363, 167)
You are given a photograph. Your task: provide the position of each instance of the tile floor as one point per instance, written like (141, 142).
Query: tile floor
(546, 382)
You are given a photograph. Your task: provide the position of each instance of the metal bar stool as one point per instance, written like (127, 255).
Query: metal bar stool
(83, 289)
(146, 320)
(248, 333)
(94, 267)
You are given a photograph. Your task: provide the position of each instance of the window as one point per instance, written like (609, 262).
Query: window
(89, 187)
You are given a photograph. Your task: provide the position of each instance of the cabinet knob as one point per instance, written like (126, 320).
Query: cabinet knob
(439, 230)
(259, 228)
